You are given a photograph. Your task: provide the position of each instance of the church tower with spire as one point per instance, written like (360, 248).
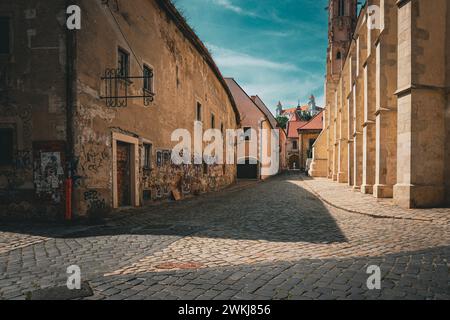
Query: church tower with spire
(341, 25)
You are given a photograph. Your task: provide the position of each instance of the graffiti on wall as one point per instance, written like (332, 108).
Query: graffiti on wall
(94, 200)
(49, 175)
(23, 160)
(94, 158)
(188, 179)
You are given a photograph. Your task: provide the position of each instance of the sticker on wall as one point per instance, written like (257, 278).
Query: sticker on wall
(159, 158)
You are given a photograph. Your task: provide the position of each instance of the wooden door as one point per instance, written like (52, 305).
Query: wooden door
(123, 174)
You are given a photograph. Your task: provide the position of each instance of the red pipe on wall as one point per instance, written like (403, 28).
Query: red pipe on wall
(68, 215)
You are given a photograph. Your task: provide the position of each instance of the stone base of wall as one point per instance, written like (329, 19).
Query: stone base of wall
(383, 191)
(30, 212)
(342, 177)
(411, 196)
(318, 168)
(366, 189)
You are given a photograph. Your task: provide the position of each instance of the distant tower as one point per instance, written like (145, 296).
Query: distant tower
(312, 105)
(279, 109)
(341, 25)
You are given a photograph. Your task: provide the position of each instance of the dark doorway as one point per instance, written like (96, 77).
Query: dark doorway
(123, 174)
(247, 169)
(294, 162)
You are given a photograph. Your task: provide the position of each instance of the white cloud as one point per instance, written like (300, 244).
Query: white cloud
(227, 4)
(272, 81)
(232, 59)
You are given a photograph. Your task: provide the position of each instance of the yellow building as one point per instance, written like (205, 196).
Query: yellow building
(387, 117)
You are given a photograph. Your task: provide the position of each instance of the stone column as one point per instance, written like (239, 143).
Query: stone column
(357, 138)
(350, 113)
(422, 103)
(335, 138)
(350, 140)
(358, 107)
(330, 100)
(343, 131)
(369, 129)
(386, 102)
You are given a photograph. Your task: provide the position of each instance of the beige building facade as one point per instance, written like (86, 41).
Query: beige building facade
(260, 160)
(67, 119)
(387, 117)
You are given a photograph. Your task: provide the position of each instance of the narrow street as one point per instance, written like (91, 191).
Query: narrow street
(270, 240)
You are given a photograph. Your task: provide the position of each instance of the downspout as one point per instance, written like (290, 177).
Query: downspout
(70, 101)
(261, 148)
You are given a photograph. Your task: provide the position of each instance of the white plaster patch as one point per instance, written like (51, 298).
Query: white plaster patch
(30, 34)
(61, 132)
(55, 103)
(91, 136)
(30, 14)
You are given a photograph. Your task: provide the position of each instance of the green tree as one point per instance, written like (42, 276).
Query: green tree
(304, 115)
(282, 121)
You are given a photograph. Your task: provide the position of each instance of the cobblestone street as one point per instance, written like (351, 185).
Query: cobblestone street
(286, 238)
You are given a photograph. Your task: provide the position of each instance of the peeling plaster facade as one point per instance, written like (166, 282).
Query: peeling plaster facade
(51, 91)
(387, 102)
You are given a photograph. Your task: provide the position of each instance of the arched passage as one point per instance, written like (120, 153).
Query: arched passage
(247, 168)
(294, 162)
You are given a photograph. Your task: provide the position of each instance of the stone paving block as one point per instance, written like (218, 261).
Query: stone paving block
(241, 249)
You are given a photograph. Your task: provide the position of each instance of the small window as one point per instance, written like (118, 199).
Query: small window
(147, 156)
(148, 79)
(6, 146)
(221, 128)
(341, 8)
(5, 36)
(247, 133)
(339, 56)
(213, 121)
(124, 63)
(199, 111)
(294, 145)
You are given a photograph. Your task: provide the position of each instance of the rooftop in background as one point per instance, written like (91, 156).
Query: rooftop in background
(292, 128)
(315, 123)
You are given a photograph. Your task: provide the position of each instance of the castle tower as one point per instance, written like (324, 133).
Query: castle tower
(279, 109)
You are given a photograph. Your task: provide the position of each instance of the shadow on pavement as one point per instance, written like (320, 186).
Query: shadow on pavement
(277, 210)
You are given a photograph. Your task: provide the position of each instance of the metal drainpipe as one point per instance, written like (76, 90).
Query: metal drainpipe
(260, 148)
(70, 79)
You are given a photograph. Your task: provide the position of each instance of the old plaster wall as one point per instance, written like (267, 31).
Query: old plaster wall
(32, 104)
(182, 78)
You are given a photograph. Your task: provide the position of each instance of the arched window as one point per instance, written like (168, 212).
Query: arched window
(341, 8)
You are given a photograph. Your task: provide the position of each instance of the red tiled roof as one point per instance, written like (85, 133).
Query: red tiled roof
(292, 128)
(305, 108)
(315, 123)
(291, 110)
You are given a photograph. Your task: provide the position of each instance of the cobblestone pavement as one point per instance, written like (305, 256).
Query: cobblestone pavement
(271, 240)
(344, 197)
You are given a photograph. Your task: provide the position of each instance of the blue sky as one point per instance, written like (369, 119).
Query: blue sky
(273, 48)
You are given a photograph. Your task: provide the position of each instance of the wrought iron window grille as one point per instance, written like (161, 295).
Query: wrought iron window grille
(117, 88)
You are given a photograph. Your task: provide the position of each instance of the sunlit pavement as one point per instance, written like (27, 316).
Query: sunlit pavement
(280, 239)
